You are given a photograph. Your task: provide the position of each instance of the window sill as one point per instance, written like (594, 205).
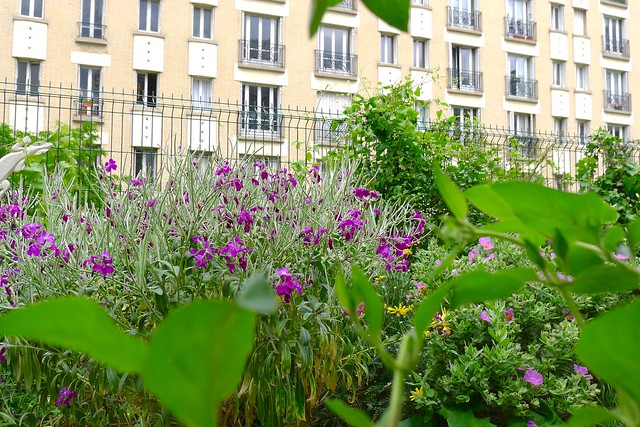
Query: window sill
(200, 112)
(143, 107)
(581, 36)
(615, 111)
(30, 99)
(149, 34)
(91, 40)
(583, 91)
(30, 19)
(262, 66)
(473, 92)
(560, 88)
(618, 56)
(87, 118)
(202, 40)
(521, 98)
(344, 10)
(261, 136)
(614, 3)
(338, 76)
(389, 65)
(421, 69)
(521, 39)
(557, 31)
(421, 6)
(465, 30)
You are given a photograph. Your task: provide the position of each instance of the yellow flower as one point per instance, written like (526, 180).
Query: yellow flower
(407, 251)
(445, 328)
(379, 279)
(400, 309)
(418, 392)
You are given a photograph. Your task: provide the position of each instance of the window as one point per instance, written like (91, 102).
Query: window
(201, 93)
(465, 126)
(616, 92)
(27, 77)
(520, 123)
(260, 42)
(557, 17)
(580, 22)
(334, 51)
(32, 8)
(560, 129)
(145, 163)
(420, 2)
(388, 49)
(423, 115)
(582, 77)
(203, 22)
(147, 89)
(463, 14)
(620, 131)
(558, 74)
(149, 16)
(519, 20)
(463, 74)
(420, 53)
(614, 36)
(91, 19)
(330, 106)
(260, 106)
(583, 131)
(520, 77)
(521, 126)
(90, 87)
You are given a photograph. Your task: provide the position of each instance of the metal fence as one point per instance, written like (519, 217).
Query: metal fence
(143, 131)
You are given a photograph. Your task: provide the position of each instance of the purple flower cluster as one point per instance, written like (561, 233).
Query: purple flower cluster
(38, 240)
(100, 263)
(486, 245)
(110, 166)
(232, 253)
(309, 236)
(351, 224)
(65, 396)
(582, 370)
(287, 284)
(395, 252)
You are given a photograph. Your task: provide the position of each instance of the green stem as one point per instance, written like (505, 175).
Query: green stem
(397, 389)
(573, 307)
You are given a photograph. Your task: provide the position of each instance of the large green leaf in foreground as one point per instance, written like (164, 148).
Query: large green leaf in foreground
(79, 324)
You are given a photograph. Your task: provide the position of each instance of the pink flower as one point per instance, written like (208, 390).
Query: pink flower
(486, 243)
(508, 314)
(484, 316)
(621, 256)
(533, 377)
(582, 370)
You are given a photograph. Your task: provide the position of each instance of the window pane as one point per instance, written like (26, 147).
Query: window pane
(196, 21)
(24, 7)
(142, 23)
(38, 8)
(207, 23)
(155, 16)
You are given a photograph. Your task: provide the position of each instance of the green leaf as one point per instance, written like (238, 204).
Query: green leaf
(580, 259)
(613, 237)
(344, 296)
(352, 416)
(590, 415)
(78, 324)
(560, 246)
(604, 278)
(374, 307)
(460, 418)
(196, 359)
(609, 347)
(393, 12)
(478, 286)
(428, 308)
(319, 8)
(533, 252)
(453, 197)
(633, 234)
(257, 294)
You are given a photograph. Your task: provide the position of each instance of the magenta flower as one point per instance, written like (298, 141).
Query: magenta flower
(101, 263)
(531, 424)
(486, 243)
(533, 377)
(508, 314)
(582, 370)
(568, 314)
(65, 396)
(288, 283)
(110, 165)
(484, 316)
(621, 256)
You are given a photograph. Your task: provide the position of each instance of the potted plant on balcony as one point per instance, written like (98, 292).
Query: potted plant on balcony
(617, 105)
(86, 106)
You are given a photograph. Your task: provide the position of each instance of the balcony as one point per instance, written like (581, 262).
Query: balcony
(89, 106)
(348, 5)
(260, 123)
(520, 29)
(465, 19)
(328, 131)
(329, 62)
(616, 2)
(615, 47)
(89, 30)
(522, 88)
(524, 146)
(464, 80)
(617, 101)
(255, 52)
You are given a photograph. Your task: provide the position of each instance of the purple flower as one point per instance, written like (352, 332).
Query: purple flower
(288, 283)
(486, 243)
(484, 316)
(101, 263)
(110, 165)
(533, 377)
(508, 314)
(582, 370)
(531, 424)
(151, 202)
(621, 256)
(65, 397)
(568, 314)
(438, 262)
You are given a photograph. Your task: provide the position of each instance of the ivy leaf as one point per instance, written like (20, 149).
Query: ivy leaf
(478, 286)
(78, 324)
(453, 197)
(609, 347)
(196, 358)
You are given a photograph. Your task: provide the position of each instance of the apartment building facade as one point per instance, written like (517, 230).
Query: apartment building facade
(563, 66)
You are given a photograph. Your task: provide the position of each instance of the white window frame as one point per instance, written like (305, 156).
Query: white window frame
(201, 93)
(423, 115)
(615, 81)
(257, 47)
(30, 5)
(27, 83)
(90, 88)
(521, 123)
(557, 17)
(420, 2)
(558, 74)
(330, 107)
(336, 48)
(144, 162)
(621, 131)
(92, 19)
(560, 129)
(466, 122)
(464, 63)
(254, 117)
(582, 77)
(201, 21)
(388, 49)
(583, 131)
(614, 32)
(420, 53)
(521, 68)
(145, 19)
(145, 94)
(580, 22)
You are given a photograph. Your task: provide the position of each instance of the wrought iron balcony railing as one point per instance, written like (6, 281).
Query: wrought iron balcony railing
(331, 62)
(89, 106)
(524, 145)
(621, 2)
(346, 4)
(613, 46)
(261, 53)
(522, 88)
(617, 101)
(463, 18)
(92, 31)
(330, 131)
(464, 80)
(520, 29)
(258, 121)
